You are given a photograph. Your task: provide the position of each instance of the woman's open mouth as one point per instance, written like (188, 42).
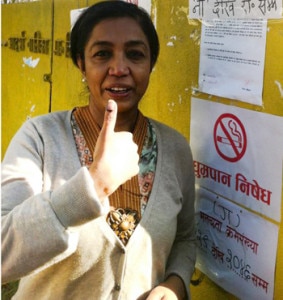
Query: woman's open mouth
(118, 91)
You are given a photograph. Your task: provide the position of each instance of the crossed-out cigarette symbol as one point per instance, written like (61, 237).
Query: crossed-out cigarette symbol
(235, 132)
(229, 130)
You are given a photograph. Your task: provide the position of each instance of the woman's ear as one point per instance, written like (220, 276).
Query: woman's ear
(81, 64)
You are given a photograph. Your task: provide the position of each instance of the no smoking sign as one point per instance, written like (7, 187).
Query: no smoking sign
(230, 137)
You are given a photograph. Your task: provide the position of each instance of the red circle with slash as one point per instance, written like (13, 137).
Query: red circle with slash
(230, 137)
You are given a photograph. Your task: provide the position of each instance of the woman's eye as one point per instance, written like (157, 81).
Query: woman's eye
(135, 54)
(102, 54)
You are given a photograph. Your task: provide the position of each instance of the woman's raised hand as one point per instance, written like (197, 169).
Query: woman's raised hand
(115, 158)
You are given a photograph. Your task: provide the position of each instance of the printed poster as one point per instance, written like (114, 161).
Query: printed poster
(145, 4)
(229, 65)
(235, 9)
(236, 248)
(238, 154)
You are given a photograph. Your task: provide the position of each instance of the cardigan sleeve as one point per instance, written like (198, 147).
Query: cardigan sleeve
(39, 225)
(182, 257)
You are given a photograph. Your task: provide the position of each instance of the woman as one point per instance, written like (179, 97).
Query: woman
(98, 202)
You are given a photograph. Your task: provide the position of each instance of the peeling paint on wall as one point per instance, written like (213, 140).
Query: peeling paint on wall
(279, 87)
(31, 110)
(171, 106)
(32, 63)
(172, 39)
(195, 36)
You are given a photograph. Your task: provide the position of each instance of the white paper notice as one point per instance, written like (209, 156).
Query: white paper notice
(232, 57)
(145, 4)
(236, 249)
(230, 9)
(74, 15)
(238, 154)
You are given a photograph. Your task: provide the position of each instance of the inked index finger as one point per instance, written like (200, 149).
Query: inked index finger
(110, 117)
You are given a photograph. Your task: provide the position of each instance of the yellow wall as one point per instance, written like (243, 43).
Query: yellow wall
(25, 93)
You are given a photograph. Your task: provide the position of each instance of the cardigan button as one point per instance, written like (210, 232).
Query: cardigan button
(117, 287)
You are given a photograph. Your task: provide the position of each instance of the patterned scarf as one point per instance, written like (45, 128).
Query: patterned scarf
(128, 195)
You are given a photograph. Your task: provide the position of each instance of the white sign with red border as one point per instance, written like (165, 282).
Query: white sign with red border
(238, 154)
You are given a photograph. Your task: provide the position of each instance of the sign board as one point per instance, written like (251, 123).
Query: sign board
(238, 154)
(229, 9)
(236, 248)
(229, 65)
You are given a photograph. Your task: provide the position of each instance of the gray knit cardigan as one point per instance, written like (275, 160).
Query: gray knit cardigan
(54, 234)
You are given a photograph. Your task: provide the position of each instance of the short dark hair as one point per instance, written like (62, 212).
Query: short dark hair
(111, 9)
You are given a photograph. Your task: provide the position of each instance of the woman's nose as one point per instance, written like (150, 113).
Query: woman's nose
(118, 66)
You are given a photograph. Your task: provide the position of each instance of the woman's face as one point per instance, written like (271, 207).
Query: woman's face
(117, 64)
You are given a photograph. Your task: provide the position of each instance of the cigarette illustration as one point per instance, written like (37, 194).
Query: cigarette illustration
(233, 130)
